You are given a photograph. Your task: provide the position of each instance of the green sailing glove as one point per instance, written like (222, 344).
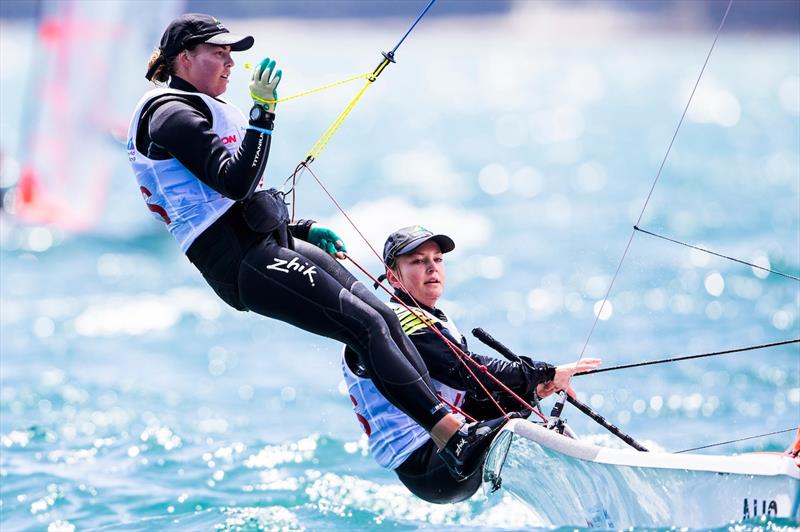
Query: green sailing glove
(325, 239)
(264, 84)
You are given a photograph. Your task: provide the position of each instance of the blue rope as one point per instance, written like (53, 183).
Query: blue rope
(412, 26)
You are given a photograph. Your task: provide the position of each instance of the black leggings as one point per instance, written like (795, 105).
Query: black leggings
(426, 476)
(309, 289)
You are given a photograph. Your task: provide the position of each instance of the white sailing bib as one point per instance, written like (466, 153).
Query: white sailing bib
(172, 193)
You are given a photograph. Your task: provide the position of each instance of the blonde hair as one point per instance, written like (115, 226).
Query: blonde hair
(160, 67)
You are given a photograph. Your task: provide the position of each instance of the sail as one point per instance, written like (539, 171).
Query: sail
(76, 105)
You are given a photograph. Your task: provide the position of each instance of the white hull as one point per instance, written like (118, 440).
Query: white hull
(567, 482)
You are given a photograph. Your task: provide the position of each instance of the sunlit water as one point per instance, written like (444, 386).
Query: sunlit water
(132, 399)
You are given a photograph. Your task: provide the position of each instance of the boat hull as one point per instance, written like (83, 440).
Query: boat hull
(567, 482)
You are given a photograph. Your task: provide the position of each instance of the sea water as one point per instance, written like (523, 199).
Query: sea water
(133, 399)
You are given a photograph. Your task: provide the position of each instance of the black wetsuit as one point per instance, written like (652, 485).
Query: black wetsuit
(424, 473)
(279, 274)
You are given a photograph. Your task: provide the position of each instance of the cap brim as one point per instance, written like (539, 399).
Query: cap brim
(237, 42)
(446, 244)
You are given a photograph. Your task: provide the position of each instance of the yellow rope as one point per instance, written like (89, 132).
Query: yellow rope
(328, 134)
(318, 146)
(312, 91)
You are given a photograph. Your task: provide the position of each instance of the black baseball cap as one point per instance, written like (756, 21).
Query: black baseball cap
(195, 28)
(405, 240)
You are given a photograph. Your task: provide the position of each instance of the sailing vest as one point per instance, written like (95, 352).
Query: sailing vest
(172, 193)
(392, 434)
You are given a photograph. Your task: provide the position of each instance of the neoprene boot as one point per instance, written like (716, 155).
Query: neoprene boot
(464, 451)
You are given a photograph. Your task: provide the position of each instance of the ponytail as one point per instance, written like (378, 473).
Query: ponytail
(160, 67)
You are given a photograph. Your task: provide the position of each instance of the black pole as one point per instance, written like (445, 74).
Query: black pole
(689, 357)
(489, 340)
(605, 424)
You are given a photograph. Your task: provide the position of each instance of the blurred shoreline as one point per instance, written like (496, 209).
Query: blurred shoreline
(679, 16)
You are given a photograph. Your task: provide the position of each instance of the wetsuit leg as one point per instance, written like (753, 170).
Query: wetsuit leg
(292, 287)
(426, 476)
(341, 274)
(400, 337)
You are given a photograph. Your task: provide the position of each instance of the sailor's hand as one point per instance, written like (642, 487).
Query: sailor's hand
(545, 389)
(327, 240)
(535, 374)
(264, 84)
(548, 388)
(794, 449)
(565, 372)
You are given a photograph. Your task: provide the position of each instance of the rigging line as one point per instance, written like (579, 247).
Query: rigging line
(460, 355)
(323, 141)
(295, 178)
(789, 276)
(735, 441)
(690, 357)
(658, 175)
(364, 238)
(318, 146)
(685, 110)
(455, 408)
(312, 91)
(608, 293)
(350, 221)
(369, 245)
(424, 11)
(559, 404)
(495, 344)
(388, 58)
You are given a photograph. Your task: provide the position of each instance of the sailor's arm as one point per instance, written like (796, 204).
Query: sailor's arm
(184, 131)
(301, 228)
(445, 367)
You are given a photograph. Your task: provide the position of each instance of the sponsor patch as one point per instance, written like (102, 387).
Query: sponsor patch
(294, 265)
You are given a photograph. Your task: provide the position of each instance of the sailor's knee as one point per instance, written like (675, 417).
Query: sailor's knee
(365, 295)
(368, 316)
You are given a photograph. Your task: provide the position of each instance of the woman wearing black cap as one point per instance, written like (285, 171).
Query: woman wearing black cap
(200, 167)
(414, 257)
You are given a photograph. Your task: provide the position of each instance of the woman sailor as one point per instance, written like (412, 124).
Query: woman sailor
(200, 167)
(414, 257)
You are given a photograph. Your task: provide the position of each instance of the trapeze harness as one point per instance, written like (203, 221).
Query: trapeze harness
(393, 436)
(395, 441)
(173, 194)
(203, 181)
